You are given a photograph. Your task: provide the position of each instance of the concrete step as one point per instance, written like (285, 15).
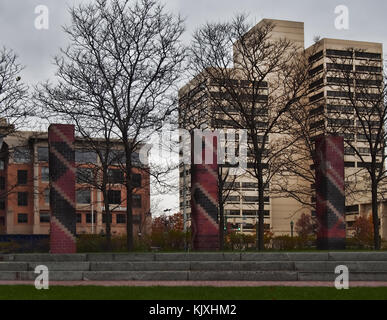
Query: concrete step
(53, 276)
(155, 275)
(243, 275)
(43, 257)
(193, 266)
(136, 275)
(353, 266)
(151, 266)
(314, 266)
(215, 256)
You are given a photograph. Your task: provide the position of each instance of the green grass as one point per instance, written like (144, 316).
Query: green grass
(24, 292)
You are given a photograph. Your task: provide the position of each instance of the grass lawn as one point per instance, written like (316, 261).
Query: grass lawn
(25, 292)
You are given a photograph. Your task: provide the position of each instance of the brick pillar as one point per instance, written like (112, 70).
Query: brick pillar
(62, 188)
(204, 200)
(330, 191)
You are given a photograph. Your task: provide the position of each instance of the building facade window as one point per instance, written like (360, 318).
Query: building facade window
(2, 183)
(121, 218)
(22, 199)
(43, 154)
(22, 155)
(83, 196)
(85, 175)
(45, 174)
(136, 180)
(114, 196)
(89, 217)
(44, 216)
(249, 185)
(22, 177)
(85, 156)
(46, 195)
(233, 198)
(137, 201)
(22, 218)
(352, 209)
(115, 176)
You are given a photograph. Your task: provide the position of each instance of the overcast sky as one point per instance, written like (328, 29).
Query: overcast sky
(36, 48)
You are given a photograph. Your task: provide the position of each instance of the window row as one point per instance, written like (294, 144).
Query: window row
(83, 196)
(24, 155)
(44, 217)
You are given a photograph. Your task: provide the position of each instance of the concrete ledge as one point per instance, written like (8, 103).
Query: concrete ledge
(242, 276)
(308, 256)
(196, 256)
(43, 257)
(140, 266)
(135, 275)
(8, 275)
(62, 266)
(242, 266)
(353, 266)
(358, 256)
(134, 257)
(264, 256)
(99, 257)
(31, 276)
(13, 266)
(6, 257)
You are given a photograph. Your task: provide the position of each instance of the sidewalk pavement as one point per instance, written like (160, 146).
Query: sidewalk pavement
(202, 283)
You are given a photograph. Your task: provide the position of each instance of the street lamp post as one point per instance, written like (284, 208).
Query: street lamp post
(291, 228)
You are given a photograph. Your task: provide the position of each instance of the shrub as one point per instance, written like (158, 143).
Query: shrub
(33, 246)
(364, 232)
(305, 226)
(98, 243)
(284, 242)
(9, 247)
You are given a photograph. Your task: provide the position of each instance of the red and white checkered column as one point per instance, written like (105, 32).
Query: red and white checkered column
(204, 199)
(330, 190)
(62, 188)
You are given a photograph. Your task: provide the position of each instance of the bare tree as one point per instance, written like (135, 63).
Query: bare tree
(257, 80)
(124, 59)
(13, 92)
(356, 79)
(91, 125)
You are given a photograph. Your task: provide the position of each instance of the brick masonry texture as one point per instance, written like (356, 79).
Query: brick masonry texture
(62, 188)
(204, 201)
(330, 190)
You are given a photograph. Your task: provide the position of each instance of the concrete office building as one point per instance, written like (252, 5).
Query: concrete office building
(281, 210)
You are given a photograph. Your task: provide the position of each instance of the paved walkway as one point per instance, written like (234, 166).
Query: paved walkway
(202, 283)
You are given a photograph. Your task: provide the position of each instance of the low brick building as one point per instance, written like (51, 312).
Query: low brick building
(24, 189)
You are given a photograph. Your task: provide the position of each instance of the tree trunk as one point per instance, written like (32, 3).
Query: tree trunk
(108, 217)
(375, 215)
(221, 208)
(260, 228)
(107, 207)
(221, 224)
(129, 206)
